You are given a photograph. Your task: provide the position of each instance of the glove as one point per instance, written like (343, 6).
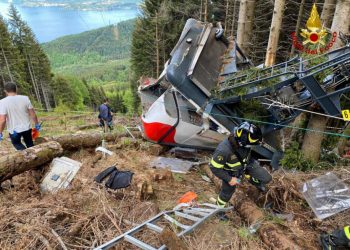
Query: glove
(38, 127)
(1, 137)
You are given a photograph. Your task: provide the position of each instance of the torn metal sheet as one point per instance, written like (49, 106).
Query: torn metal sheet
(61, 173)
(326, 195)
(173, 164)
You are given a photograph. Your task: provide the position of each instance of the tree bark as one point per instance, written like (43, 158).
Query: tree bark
(297, 27)
(157, 47)
(7, 64)
(245, 24)
(270, 234)
(21, 161)
(205, 10)
(75, 141)
(226, 16)
(313, 140)
(327, 12)
(341, 20)
(233, 18)
(275, 30)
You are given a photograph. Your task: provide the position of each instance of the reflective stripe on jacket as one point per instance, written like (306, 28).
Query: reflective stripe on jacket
(224, 156)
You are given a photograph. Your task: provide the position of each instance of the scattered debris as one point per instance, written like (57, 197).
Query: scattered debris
(168, 237)
(117, 179)
(286, 217)
(129, 129)
(61, 173)
(273, 236)
(98, 156)
(185, 218)
(175, 165)
(206, 178)
(155, 149)
(162, 174)
(184, 153)
(188, 197)
(327, 195)
(104, 150)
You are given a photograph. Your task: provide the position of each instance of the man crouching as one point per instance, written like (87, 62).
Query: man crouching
(232, 159)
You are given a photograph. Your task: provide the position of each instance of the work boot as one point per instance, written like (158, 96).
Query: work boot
(327, 242)
(336, 239)
(222, 216)
(261, 187)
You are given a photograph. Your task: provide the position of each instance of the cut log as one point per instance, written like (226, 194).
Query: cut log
(21, 161)
(270, 234)
(75, 141)
(142, 184)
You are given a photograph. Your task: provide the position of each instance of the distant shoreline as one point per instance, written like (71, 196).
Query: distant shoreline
(60, 21)
(111, 5)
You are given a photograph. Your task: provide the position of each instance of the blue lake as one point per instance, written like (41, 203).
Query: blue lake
(49, 23)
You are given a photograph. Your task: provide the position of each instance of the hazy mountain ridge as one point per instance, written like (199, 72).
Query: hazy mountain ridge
(100, 54)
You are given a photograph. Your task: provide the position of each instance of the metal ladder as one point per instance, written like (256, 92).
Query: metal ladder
(196, 214)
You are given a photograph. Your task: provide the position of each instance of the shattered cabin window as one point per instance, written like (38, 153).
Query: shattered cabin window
(188, 111)
(169, 104)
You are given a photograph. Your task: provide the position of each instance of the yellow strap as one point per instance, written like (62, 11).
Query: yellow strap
(347, 231)
(215, 164)
(220, 202)
(232, 165)
(255, 180)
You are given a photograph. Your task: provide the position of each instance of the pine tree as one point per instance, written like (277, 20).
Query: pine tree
(275, 30)
(11, 66)
(63, 92)
(38, 70)
(312, 141)
(245, 24)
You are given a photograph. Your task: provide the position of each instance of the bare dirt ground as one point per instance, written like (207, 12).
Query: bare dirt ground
(87, 214)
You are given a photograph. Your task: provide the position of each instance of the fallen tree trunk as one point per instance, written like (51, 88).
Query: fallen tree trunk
(270, 234)
(75, 141)
(21, 161)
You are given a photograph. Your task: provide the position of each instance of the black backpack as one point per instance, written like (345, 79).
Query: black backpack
(118, 179)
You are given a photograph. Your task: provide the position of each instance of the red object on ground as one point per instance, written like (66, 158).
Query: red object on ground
(347, 155)
(35, 134)
(155, 130)
(187, 197)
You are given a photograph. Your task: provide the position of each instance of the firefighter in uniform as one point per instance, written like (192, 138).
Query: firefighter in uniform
(338, 238)
(232, 159)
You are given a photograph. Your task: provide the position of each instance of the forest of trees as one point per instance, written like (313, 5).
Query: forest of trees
(100, 57)
(23, 60)
(94, 46)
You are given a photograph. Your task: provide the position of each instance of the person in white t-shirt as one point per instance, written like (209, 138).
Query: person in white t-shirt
(16, 111)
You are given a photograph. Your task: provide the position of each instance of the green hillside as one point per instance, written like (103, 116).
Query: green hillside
(101, 54)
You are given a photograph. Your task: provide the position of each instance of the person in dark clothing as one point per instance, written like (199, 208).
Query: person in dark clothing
(338, 238)
(232, 159)
(105, 116)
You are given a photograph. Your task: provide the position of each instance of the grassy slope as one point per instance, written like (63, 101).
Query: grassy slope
(101, 54)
